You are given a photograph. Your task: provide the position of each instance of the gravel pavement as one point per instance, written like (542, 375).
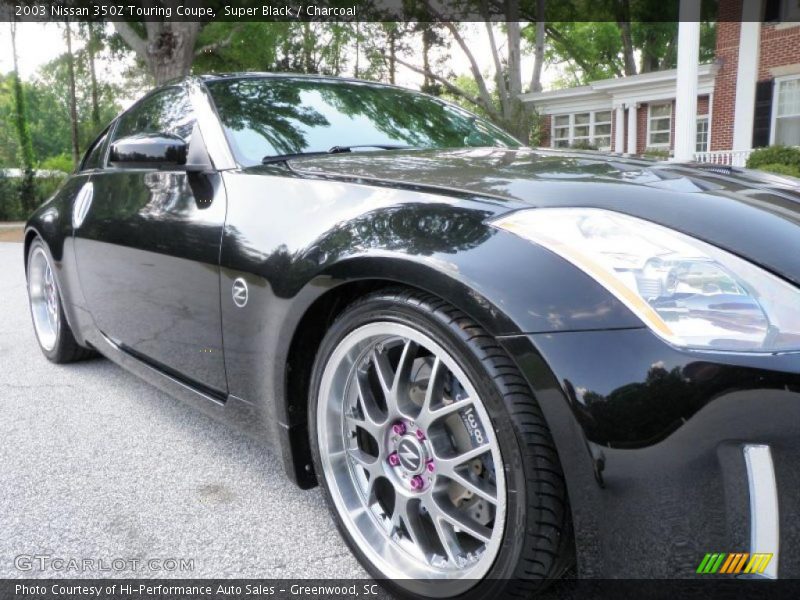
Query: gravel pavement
(97, 464)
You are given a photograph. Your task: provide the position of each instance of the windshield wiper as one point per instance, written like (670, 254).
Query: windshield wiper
(338, 149)
(334, 150)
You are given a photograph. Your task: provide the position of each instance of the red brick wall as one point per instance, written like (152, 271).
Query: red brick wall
(641, 128)
(613, 129)
(727, 53)
(642, 122)
(544, 130)
(779, 47)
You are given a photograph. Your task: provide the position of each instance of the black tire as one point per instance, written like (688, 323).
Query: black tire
(65, 349)
(538, 544)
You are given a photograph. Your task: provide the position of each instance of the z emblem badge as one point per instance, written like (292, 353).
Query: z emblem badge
(239, 292)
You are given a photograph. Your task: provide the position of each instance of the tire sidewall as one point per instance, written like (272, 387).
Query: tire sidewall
(52, 354)
(455, 342)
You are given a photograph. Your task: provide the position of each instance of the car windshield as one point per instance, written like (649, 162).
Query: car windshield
(272, 116)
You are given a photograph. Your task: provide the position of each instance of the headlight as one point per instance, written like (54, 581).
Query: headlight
(690, 293)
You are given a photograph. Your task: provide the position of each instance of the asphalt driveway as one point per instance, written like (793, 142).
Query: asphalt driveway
(96, 464)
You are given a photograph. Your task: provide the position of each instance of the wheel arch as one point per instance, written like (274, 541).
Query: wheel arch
(316, 319)
(311, 327)
(30, 235)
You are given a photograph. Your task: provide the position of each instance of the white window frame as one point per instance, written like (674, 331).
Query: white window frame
(707, 119)
(774, 117)
(591, 124)
(610, 124)
(553, 126)
(650, 117)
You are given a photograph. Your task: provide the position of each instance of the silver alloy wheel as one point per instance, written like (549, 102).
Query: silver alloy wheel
(43, 297)
(410, 456)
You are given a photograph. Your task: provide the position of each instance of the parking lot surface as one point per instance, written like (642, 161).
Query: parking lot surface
(97, 464)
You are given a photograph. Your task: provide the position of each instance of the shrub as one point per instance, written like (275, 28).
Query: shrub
(61, 162)
(20, 196)
(46, 186)
(9, 199)
(774, 155)
(781, 169)
(659, 153)
(583, 145)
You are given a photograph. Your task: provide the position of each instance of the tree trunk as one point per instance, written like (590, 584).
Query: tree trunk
(649, 58)
(627, 48)
(426, 60)
(93, 73)
(538, 56)
(73, 104)
(358, 48)
(168, 50)
(27, 192)
(392, 56)
(624, 23)
(308, 45)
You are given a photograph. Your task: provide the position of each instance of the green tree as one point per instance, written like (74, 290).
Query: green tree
(27, 197)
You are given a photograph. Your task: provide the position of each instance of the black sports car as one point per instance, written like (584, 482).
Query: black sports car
(497, 361)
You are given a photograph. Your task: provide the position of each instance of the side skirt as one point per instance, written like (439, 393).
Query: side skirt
(235, 411)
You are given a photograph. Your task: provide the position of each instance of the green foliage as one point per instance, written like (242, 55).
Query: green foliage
(47, 119)
(583, 145)
(788, 156)
(46, 187)
(588, 51)
(20, 196)
(60, 162)
(9, 199)
(252, 46)
(780, 169)
(659, 153)
(790, 170)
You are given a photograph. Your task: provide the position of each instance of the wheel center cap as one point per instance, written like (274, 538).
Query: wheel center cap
(412, 455)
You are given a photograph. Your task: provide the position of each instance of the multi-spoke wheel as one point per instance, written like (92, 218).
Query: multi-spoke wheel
(414, 441)
(52, 330)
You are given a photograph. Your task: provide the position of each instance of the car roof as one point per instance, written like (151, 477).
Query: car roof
(205, 78)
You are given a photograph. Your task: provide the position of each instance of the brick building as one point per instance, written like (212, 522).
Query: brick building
(748, 97)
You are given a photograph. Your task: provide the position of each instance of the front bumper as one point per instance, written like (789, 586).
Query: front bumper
(655, 444)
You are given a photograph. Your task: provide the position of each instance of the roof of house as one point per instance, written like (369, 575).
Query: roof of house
(654, 86)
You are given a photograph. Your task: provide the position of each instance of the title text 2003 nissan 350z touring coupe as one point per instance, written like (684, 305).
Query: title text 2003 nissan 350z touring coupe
(498, 362)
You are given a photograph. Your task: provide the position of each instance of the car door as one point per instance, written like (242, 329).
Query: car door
(147, 250)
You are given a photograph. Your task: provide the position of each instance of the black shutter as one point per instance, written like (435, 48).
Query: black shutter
(772, 11)
(762, 117)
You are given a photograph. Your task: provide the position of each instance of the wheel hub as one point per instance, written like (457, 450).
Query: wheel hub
(410, 457)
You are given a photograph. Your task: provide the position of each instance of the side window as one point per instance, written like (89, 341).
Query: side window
(167, 111)
(94, 155)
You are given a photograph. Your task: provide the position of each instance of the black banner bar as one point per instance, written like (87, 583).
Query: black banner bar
(353, 10)
(712, 588)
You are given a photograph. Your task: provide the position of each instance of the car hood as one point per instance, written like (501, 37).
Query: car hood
(751, 214)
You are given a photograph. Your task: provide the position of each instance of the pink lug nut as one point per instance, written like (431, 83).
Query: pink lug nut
(394, 460)
(399, 428)
(431, 466)
(420, 435)
(417, 482)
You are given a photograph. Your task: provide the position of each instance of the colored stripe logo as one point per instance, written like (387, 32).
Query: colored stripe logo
(734, 563)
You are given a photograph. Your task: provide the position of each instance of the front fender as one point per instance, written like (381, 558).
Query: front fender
(52, 223)
(294, 241)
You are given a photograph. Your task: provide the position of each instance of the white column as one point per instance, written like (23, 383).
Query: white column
(686, 88)
(747, 75)
(619, 129)
(632, 110)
